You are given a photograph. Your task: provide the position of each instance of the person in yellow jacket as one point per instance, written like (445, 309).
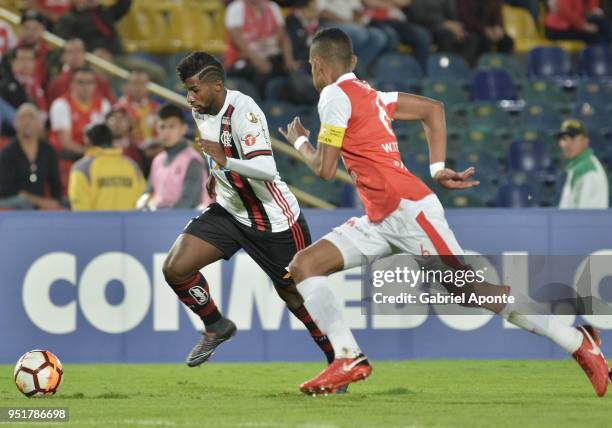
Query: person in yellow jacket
(104, 179)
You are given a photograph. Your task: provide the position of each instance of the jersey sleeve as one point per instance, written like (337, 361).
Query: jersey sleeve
(60, 115)
(334, 111)
(389, 100)
(251, 130)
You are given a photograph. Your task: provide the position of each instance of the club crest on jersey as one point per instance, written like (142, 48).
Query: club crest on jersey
(199, 294)
(226, 139)
(251, 117)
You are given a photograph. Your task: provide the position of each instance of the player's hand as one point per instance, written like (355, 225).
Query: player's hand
(214, 150)
(294, 130)
(450, 179)
(211, 182)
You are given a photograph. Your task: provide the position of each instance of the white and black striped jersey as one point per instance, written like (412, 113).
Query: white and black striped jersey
(241, 128)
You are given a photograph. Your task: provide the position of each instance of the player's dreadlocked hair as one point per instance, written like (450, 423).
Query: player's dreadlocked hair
(333, 44)
(204, 65)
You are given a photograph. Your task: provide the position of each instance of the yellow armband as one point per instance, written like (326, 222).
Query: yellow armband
(331, 135)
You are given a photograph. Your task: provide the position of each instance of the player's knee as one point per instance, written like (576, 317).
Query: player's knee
(301, 267)
(173, 273)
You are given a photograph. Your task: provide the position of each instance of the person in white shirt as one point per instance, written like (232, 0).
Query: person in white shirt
(586, 185)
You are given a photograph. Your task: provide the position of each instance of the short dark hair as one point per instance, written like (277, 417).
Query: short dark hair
(100, 135)
(201, 64)
(333, 44)
(170, 110)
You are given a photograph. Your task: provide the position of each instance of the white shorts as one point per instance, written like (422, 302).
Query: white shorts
(416, 227)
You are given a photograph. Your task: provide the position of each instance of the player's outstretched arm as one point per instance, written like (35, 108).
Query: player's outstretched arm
(323, 160)
(431, 113)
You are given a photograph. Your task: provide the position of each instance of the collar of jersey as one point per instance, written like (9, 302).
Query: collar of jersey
(346, 76)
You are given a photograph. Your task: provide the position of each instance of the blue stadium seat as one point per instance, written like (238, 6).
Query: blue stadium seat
(594, 92)
(596, 61)
(448, 66)
(595, 117)
(540, 116)
(512, 195)
(493, 85)
(487, 116)
(487, 166)
(279, 114)
(549, 62)
(276, 88)
(243, 86)
(395, 67)
(529, 156)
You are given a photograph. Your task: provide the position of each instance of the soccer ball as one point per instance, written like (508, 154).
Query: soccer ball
(38, 373)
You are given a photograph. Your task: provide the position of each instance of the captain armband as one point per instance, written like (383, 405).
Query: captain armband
(331, 135)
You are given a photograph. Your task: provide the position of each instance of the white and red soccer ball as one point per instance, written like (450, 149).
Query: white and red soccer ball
(38, 373)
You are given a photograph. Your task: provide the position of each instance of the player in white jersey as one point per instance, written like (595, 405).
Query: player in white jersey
(254, 208)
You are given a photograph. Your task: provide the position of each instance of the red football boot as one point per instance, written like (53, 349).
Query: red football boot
(591, 359)
(339, 373)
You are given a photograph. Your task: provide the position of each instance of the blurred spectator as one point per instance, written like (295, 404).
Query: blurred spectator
(577, 20)
(50, 9)
(20, 84)
(29, 175)
(71, 113)
(348, 15)
(95, 24)
(32, 30)
(302, 25)
(119, 123)
(178, 173)
(73, 58)
(485, 20)
(258, 47)
(104, 179)
(449, 34)
(388, 15)
(8, 40)
(586, 185)
(141, 109)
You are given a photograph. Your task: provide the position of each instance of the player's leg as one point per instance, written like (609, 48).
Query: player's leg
(343, 248)
(295, 303)
(273, 252)
(426, 227)
(205, 240)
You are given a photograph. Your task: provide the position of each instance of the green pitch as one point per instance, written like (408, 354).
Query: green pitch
(399, 394)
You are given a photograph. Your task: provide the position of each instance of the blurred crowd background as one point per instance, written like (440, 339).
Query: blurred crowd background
(510, 73)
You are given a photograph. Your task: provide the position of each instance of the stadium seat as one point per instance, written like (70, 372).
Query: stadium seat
(279, 114)
(595, 117)
(276, 88)
(540, 116)
(512, 195)
(243, 86)
(498, 61)
(544, 91)
(487, 116)
(449, 92)
(411, 86)
(519, 25)
(596, 62)
(595, 92)
(529, 157)
(487, 166)
(549, 62)
(448, 66)
(395, 67)
(493, 85)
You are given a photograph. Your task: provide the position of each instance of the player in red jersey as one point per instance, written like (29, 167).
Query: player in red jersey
(402, 213)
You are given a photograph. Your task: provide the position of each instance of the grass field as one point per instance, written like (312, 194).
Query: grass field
(399, 394)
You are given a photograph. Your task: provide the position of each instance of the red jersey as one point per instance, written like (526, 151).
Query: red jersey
(357, 118)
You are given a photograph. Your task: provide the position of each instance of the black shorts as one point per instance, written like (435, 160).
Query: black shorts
(272, 251)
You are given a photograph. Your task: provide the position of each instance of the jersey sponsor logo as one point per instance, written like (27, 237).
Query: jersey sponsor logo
(251, 117)
(250, 139)
(199, 294)
(226, 138)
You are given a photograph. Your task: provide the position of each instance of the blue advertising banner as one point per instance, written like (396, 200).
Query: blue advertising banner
(89, 287)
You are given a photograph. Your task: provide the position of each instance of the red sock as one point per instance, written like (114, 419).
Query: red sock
(320, 339)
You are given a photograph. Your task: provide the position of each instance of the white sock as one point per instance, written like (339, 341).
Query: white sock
(567, 337)
(326, 312)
